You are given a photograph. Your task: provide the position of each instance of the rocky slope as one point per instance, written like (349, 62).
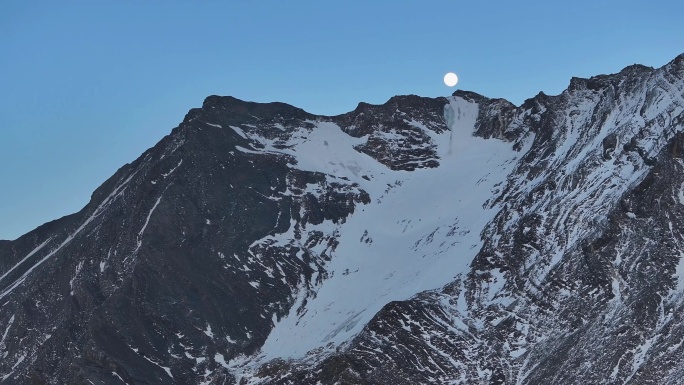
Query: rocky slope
(449, 240)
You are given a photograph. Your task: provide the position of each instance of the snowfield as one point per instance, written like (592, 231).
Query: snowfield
(421, 229)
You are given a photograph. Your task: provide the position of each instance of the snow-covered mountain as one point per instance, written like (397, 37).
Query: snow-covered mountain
(457, 240)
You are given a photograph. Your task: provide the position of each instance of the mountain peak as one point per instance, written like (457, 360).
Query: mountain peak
(233, 111)
(469, 95)
(455, 239)
(232, 105)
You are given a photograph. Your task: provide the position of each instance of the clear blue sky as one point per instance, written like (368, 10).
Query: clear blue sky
(86, 86)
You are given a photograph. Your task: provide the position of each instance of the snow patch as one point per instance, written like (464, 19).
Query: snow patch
(115, 374)
(29, 255)
(173, 169)
(208, 332)
(73, 278)
(218, 357)
(239, 131)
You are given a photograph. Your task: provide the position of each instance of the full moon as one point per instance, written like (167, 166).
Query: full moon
(450, 79)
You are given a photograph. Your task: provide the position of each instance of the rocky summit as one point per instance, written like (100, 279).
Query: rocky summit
(451, 240)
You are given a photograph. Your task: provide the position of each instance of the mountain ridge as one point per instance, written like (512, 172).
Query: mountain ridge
(234, 230)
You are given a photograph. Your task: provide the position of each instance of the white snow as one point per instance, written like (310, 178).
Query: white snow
(239, 131)
(410, 223)
(103, 263)
(19, 361)
(218, 357)
(147, 221)
(208, 332)
(9, 324)
(518, 352)
(29, 255)
(73, 278)
(640, 356)
(616, 370)
(679, 273)
(173, 169)
(166, 369)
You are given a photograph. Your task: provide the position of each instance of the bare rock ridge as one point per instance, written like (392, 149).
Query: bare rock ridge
(451, 240)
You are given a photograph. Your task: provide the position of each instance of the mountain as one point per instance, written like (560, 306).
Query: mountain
(453, 240)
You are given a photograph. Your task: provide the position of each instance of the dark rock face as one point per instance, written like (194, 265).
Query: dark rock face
(160, 266)
(185, 260)
(394, 138)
